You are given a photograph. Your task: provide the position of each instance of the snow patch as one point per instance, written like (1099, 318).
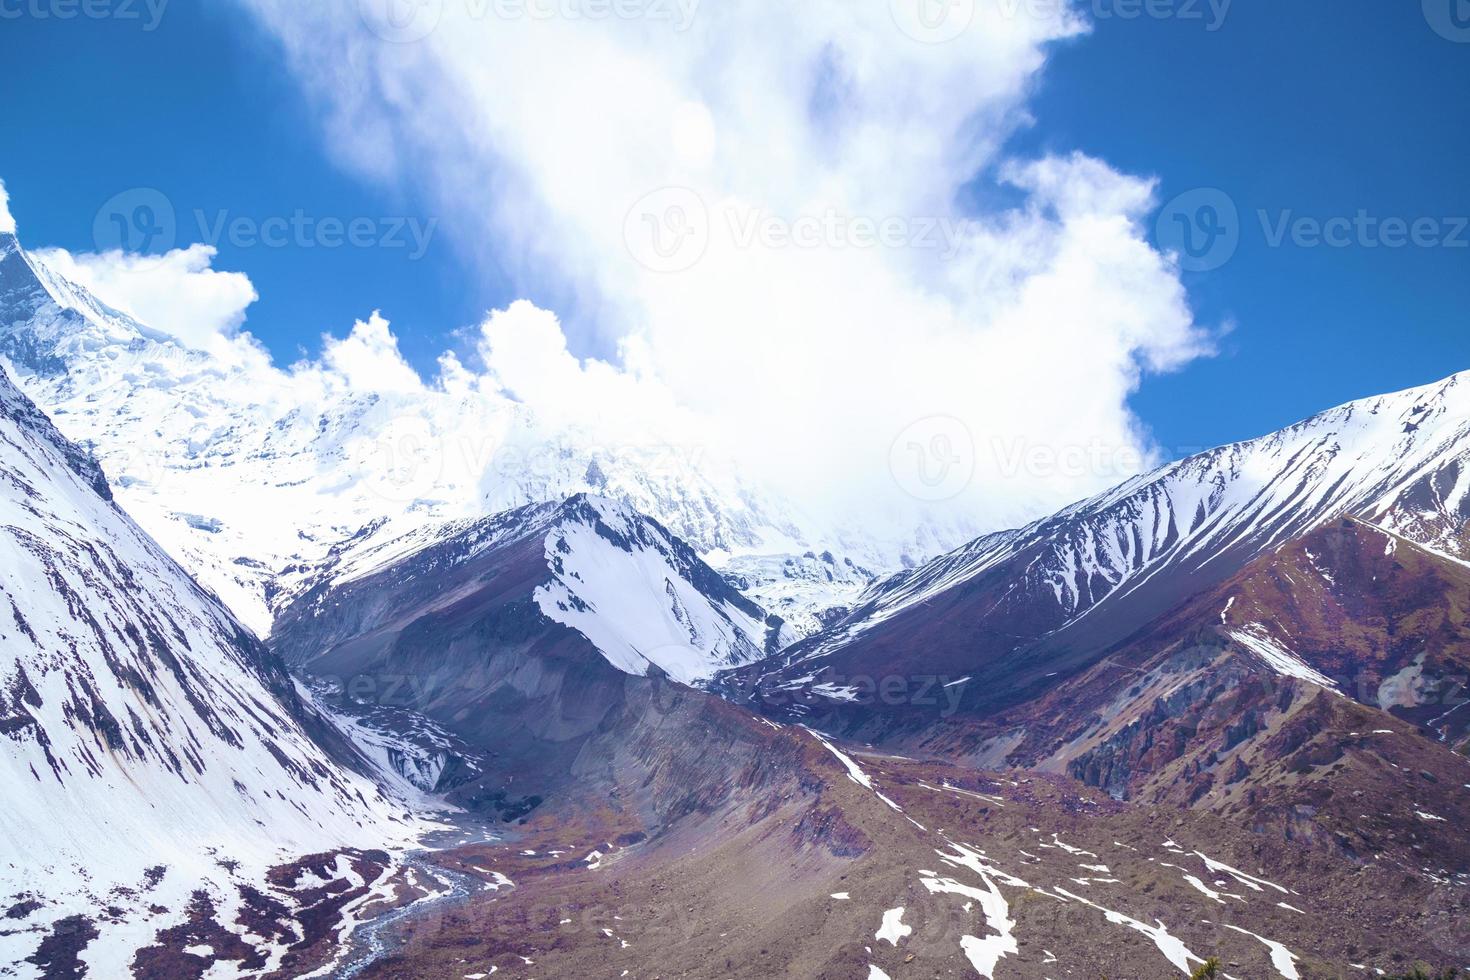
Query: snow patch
(1283, 959)
(1257, 640)
(893, 928)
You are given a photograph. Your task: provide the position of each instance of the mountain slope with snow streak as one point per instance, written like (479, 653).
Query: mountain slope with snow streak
(149, 745)
(1263, 695)
(642, 597)
(208, 448)
(1051, 594)
(556, 647)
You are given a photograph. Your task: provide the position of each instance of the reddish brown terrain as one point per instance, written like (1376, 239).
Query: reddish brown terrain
(1084, 885)
(1271, 772)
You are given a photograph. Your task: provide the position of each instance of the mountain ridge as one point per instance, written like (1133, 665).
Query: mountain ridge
(207, 448)
(1123, 557)
(145, 735)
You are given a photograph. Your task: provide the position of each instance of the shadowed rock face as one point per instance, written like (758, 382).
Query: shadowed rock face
(641, 595)
(457, 631)
(21, 294)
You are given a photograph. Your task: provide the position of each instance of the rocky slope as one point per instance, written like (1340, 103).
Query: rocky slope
(151, 749)
(833, 862)
(519, 637)
(1016, 610)
(1338, 659)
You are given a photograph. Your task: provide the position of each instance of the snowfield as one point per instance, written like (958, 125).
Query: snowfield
(149, 746)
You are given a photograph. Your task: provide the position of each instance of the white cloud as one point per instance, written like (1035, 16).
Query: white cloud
(177, 292)
(1032, 326)
(7, 220)
(368, 359)
(525, 355)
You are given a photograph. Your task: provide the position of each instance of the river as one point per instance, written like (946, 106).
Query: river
(376, 939)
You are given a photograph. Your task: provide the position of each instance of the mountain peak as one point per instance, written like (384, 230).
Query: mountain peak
(1062, 589)
(48, 322)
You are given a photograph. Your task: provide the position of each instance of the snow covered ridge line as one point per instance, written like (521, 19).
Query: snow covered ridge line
(145, 737)
(641, 596)
(1400, 462)
(208, 447)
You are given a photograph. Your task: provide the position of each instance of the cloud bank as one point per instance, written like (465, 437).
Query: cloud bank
(760, 214)
(178, 292)
(7, 220)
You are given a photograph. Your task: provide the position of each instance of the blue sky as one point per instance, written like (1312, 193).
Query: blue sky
(201, 109)
(1321, 109)
(1318, 109)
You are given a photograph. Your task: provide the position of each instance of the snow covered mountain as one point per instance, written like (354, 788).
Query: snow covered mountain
(1017, 607)
(531, 643)
(640, 595)
(207, 449)
(151, 749)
